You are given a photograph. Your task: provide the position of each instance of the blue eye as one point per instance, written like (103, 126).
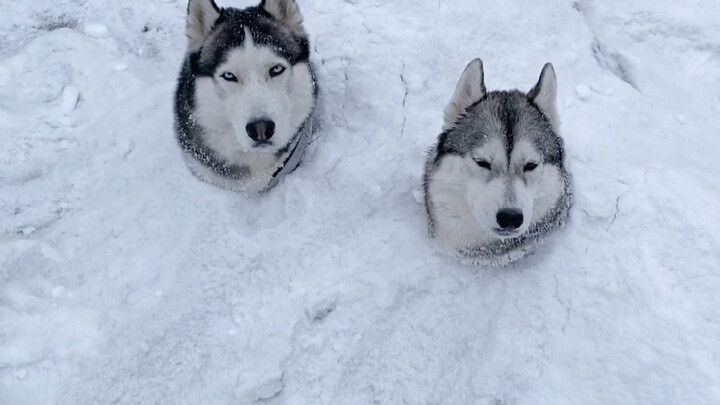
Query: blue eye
(229, 77)
(277, 70)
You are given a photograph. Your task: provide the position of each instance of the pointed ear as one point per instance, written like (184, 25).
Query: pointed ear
(285, 11)
(544, 95)
(470, 89)
(202, 16)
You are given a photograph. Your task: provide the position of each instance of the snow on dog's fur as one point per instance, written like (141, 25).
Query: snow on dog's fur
(246, 94)
(495, 182)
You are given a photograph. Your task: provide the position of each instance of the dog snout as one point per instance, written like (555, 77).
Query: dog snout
(509, 218)
(260, 130)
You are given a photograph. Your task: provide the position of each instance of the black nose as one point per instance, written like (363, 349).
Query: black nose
(260, 130)
(509, 218)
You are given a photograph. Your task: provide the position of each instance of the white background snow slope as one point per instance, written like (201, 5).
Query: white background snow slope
(125, 280)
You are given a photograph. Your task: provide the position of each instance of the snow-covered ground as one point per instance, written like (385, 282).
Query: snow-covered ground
(125, 280)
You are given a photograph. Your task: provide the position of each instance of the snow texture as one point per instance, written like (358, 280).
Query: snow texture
(125, 280)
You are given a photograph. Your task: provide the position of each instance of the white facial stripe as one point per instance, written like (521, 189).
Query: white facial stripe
(249, 42)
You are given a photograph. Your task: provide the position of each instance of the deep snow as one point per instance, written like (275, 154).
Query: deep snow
(123, 279)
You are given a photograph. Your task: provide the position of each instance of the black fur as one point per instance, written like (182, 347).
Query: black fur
(229, 33)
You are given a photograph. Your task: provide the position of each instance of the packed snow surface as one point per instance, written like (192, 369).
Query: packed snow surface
(125, 280)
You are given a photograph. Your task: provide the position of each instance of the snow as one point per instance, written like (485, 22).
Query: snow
(96, 31)
(583, 91)
(123, 279)
(70, 98)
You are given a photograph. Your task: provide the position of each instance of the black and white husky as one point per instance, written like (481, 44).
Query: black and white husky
(495, 182)
(246, 96)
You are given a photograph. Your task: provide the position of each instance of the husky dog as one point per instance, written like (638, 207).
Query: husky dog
(495, 182)
(246, 96)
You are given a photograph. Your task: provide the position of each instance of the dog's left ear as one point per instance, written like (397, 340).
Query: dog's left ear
(544, 95)
(285, 11)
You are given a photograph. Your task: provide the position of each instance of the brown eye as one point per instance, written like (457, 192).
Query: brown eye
(483, 163)
(229, 77)
(530, 167)
(277, 70)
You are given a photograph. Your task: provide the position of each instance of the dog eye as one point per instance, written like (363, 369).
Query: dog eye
(229, 77)
(530, 167)
(277, 70)
(483, 163)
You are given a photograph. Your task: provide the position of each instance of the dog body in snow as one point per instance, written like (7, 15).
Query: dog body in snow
(495, 181)
(246, 95)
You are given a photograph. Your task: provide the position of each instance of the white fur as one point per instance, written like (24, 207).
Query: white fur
(202, 15)
(455, 223)
(466, 197)
(252, 184)
(225, 108)
(549, 189)
(470, 89)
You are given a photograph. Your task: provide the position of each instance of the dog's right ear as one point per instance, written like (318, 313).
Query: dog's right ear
(285, 11)
(470, 89)
(544, 95)
(202, 15)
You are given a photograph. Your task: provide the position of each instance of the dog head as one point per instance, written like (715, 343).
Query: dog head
(253, 82)
(507, 150)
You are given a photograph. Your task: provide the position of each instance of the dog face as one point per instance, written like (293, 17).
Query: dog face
(253, 83)
(501, 152)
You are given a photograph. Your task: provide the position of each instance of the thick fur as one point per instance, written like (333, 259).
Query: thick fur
(499, 150)
(212, 112)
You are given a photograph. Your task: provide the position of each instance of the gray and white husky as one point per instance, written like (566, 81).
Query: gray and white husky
(246, 96)
(495, 182)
